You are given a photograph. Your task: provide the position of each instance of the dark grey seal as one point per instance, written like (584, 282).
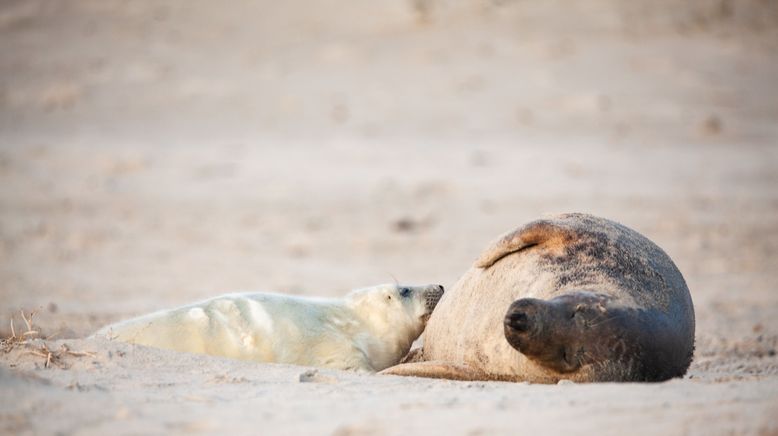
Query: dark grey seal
(572, 297)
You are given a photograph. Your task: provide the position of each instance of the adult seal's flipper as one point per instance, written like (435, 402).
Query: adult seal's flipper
(545, 232)
(438, 369)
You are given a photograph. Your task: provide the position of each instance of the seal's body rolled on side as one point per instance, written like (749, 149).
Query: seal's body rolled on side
(571, 296)
(367, 330)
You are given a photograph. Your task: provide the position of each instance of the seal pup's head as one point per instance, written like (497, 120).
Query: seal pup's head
(396, 314)
(392, 306)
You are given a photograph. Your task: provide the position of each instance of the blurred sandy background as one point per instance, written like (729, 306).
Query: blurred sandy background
(155, 153)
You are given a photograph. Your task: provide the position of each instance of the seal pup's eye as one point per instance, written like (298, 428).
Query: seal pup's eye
(405, 292)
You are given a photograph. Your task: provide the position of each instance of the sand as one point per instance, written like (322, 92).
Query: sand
(152, 155)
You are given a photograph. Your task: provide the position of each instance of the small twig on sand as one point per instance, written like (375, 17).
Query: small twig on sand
(28, 321)
(66, 349)
(52, 357)
(7, 344)
(43, 352)
(40, 349)
(83, 353)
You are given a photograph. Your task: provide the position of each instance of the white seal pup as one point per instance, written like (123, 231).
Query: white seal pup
(368, 330)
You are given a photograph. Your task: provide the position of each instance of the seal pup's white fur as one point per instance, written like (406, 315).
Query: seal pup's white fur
(367, 330)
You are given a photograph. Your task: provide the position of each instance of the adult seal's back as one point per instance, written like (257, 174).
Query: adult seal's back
(572, 297)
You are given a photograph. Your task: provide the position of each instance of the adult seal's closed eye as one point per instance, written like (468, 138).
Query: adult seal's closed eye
(572, 297)
(367, 330)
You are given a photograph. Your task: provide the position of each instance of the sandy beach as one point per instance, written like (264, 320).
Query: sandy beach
(156, 154)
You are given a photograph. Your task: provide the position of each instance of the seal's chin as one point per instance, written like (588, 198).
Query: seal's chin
(424, 318)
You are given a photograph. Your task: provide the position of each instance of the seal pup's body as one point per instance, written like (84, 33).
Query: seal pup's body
(367, 330)
(572, 297)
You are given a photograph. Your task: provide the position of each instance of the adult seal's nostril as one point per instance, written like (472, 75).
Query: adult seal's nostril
(518, 321)
(525, 315)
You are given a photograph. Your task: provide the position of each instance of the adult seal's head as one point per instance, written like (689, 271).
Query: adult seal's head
(567, 297)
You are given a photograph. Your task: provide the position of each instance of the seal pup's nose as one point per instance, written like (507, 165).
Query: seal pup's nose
(432, 296)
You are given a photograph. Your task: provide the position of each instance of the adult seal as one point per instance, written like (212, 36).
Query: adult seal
(572, 297)
(367, 330)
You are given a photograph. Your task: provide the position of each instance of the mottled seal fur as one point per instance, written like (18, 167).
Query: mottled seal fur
(367, 330)
(572, 297)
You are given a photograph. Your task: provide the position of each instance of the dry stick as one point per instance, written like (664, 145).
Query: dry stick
(44, 351)
(40, 353)
(81, 353)
(29, 323)
(36, 353)
(47, 354)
